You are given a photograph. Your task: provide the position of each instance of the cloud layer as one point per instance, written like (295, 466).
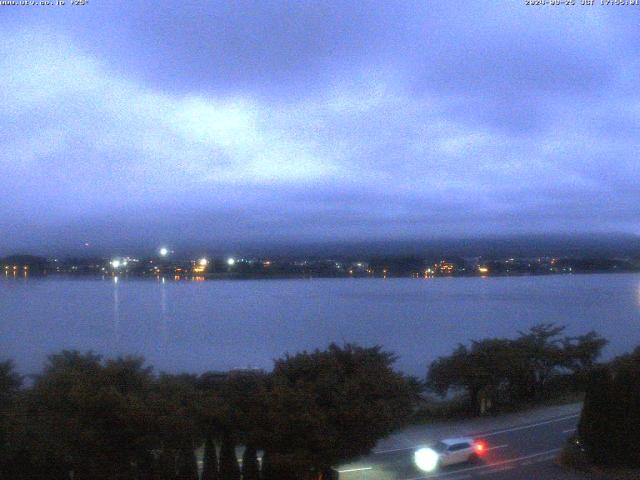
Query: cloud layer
(136, 123)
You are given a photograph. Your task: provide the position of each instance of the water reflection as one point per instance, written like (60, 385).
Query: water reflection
(164, 318)
(220, 324)
(116, 314)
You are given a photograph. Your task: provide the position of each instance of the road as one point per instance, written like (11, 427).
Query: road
(520, 447)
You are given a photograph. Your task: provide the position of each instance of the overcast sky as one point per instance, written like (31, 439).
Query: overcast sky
(158, 122)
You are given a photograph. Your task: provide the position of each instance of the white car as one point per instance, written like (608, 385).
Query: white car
(449, 451)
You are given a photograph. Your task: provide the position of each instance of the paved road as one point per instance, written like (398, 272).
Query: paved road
(521, 450)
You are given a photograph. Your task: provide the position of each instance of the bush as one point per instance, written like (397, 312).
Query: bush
(573, 456)
(610, 421)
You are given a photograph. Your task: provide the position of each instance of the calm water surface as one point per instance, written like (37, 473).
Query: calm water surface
(197, 326)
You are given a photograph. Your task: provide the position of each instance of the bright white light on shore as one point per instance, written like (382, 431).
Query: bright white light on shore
(203, 262)
(115, 263)
(231, 261)
(426, 459)
(164, 252)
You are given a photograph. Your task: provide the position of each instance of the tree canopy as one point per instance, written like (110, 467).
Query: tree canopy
(109, 419)
(344, 398)
(508, 371)
(610, 422)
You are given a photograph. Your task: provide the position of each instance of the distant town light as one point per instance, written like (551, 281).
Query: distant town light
(231, 261)
(164, 252)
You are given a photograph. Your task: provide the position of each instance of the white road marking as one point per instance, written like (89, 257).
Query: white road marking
(490, 433)
(488, 467)
(524, 427)
(498, 446)
(497, 470)
(391, 450)
(355, 469)
(543, 459)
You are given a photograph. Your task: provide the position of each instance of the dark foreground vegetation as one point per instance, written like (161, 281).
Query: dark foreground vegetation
(87, 418)
(495, 374)
(609, 430)
(542, 365)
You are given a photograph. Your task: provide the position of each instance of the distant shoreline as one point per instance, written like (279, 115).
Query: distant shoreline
(240, 277)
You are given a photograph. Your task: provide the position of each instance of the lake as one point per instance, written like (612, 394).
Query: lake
(218, 325)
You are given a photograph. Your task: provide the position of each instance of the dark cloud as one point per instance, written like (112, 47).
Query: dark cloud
(131, 123)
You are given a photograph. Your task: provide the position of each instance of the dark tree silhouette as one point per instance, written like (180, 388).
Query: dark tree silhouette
(610, 422)
(595, 427)
(250, 469)
(187, 464)
(229, 468)
(508, 372)
(333, 405)
(210, 461)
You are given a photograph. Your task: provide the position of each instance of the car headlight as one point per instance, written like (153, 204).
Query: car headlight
(426, 459)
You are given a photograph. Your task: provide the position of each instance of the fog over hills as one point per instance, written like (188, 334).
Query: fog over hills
(615, 245)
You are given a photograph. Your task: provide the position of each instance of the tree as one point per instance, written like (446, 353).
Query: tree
(541, 347)
(596, 424)
(266, 470)
(187, 463)
(10, 383)
(174, 407)
(482, 371)
(250, 469)
(504, 371)
(580, 353)
(233, 408)
(329, 406)
(625, 416)
(610, 421)
(229, 469)
(210, 460)
(210, 413)
(92, 418)
(626, 389)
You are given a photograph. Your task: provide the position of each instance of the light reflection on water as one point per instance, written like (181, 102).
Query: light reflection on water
(164, 318)
(116, 315)
(195, 326)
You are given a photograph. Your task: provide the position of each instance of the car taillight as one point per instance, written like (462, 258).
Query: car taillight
(480, 448)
